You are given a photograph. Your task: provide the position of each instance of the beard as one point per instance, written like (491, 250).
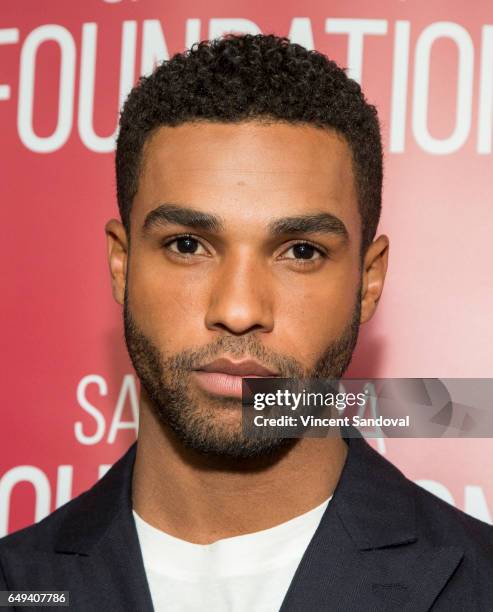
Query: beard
(208, 424)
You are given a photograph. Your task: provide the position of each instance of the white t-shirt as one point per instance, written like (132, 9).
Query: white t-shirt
(246, 573)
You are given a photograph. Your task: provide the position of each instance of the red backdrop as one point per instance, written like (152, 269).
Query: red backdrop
(69, 401)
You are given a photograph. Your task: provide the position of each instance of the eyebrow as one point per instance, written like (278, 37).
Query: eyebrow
(301, 224)
(309, 224)
(181, 215)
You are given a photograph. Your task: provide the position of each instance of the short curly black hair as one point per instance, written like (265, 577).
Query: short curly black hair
(248, 77)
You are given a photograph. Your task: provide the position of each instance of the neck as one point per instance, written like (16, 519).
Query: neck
(202, 499)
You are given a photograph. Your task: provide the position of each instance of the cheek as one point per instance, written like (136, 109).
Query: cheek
(166, 308)
(312, 316)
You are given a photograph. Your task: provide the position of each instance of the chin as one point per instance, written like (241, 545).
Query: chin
(222, 436)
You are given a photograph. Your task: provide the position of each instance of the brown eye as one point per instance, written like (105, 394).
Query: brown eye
(186, 245)
(303, 251)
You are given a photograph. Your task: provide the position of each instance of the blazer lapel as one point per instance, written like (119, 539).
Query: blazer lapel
(99, 537)
(366, 554)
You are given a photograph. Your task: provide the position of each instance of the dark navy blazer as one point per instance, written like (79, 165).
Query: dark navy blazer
(383, 544)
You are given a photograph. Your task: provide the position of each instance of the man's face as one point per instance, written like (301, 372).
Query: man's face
(245, 246)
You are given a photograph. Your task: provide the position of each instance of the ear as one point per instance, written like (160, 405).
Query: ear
(374, 270)
(117, 246)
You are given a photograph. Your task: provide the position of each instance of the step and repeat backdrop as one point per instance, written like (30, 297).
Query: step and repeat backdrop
(69, 404)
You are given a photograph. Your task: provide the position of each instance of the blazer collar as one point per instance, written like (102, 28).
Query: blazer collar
(372, 498)
(96, 511)
(365, 554)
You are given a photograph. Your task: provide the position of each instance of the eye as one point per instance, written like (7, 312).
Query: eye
(303, 251)
(185, 245)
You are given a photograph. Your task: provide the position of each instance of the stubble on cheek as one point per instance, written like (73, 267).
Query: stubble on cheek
(211, 424)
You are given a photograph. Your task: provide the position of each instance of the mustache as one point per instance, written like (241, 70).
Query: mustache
(331, 364)
(193, 358)
(236, 348)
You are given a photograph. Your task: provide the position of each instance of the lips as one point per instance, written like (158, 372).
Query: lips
(223, 377)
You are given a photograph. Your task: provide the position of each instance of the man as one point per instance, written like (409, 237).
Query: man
(249, 177)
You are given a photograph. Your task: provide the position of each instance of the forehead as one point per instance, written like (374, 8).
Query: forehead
(237, 170)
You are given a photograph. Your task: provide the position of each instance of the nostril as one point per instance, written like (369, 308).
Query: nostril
(237, 330)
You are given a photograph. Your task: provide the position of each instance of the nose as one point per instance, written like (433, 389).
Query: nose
(241, 299)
